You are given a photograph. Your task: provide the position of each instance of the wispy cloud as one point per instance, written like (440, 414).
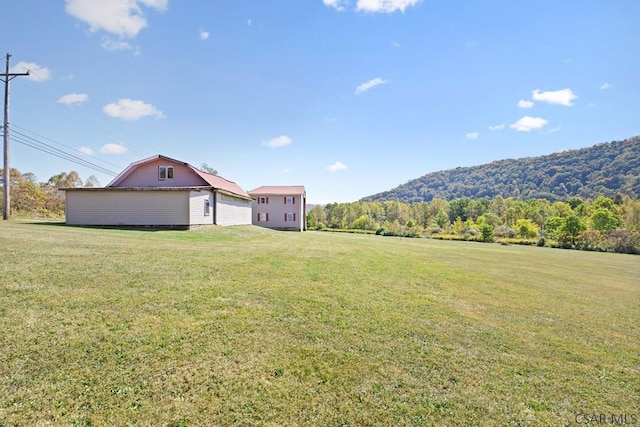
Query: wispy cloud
(472, 135)
(124, 18)
(525, 104)
(37, 73)
(131, 109)
(338, 5)
(113, 148)
(86, 150)
(73, 98)
(277, 142)
(371, 6)
(370, 85)
(527, 124)
(497, 127)
(337, 166)
(115, 45)
(384, 6)
(560, 97)
(605, 86)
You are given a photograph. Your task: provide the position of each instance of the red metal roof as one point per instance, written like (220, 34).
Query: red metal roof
(278, 190)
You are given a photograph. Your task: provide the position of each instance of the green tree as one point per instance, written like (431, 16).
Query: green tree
(526, 228)
(92, 181)
(604, 220)
(571, 228)
(486, 233)
(208, 169)
(442, 219)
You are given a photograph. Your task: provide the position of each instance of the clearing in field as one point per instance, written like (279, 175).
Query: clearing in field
(248, 326)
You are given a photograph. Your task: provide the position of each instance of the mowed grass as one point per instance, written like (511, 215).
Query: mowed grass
(248, 326)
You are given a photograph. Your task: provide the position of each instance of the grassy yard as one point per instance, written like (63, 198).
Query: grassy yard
(248, 326)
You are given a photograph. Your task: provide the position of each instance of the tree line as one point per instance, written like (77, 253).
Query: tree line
(31, 198)
(604, 223)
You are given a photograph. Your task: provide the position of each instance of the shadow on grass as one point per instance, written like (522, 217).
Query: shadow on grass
(108, 227)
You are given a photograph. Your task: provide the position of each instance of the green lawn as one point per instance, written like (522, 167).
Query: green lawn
(248, 326)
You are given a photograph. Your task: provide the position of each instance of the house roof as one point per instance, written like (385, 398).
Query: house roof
(215, 181)
(278, 190)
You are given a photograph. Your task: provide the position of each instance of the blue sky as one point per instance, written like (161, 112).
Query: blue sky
(346, 97)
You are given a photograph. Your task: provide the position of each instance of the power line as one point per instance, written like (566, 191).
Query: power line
(46, 148)
(66, 146)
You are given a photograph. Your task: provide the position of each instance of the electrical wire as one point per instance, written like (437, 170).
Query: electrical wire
(14, 126)
(46, 148)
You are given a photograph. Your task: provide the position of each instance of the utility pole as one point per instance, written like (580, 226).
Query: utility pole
(6, 185)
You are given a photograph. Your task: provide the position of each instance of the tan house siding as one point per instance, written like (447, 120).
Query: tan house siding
(232, 210)
(197, 208)
(166, 208)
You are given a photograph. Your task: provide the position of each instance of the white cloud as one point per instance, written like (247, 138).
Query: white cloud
(606, 86)
(249, 22)
(115, 45)
(497, 127)
(124, 18)
(373, 6)
(396, 45)
(277, 142)
(337, 166)
(73, 98)
(560, 97)
(37, 73)
(336, 4)
(285, 171)
(86, 150)
(527, 124)
(384, 6)
(131, 109)
(369, 85)
(203, 35)
(472, 135)
(525, 104)
(113, 148)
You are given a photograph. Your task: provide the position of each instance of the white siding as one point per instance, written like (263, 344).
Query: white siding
(127, 208)
(197, 200)
(232, 211)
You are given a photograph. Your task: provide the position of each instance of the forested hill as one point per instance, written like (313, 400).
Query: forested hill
(604, 169)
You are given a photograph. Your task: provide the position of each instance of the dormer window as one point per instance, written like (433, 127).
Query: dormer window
(165, 172)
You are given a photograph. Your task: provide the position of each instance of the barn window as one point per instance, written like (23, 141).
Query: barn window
(263, 217)
(207, 207)
(263, 200)
(288, 217)
(165, 172)
(289, 200)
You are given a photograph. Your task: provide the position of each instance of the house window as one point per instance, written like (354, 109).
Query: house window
(262, 200)
(289, 217)
(165, 172)
(289, 200)
(263, 217)
(207, 207)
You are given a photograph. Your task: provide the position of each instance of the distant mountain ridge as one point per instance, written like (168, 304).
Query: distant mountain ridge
(608, 169)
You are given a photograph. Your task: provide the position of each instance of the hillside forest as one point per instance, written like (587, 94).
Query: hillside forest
(605, 169)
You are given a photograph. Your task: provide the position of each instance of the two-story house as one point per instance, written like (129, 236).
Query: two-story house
(280, 207)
